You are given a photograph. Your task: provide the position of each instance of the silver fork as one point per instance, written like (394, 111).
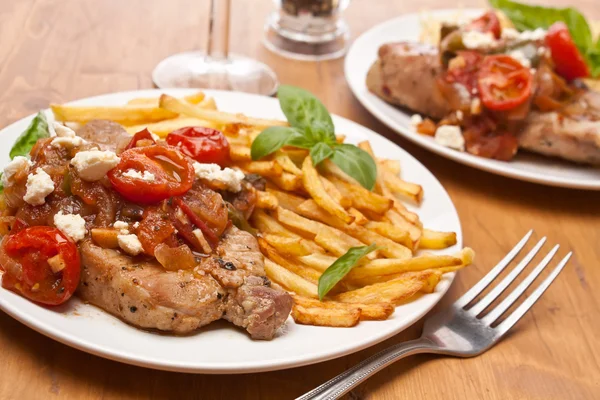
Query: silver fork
(457, 331)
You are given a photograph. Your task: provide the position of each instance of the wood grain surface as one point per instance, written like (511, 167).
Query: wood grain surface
(60, 50)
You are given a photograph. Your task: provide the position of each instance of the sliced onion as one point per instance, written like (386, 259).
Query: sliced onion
(174, 258)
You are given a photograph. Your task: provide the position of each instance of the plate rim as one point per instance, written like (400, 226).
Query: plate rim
(460, 157)
(143, 360)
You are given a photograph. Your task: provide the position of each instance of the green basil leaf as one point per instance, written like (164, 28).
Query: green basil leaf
(303, 110)
(38, 129)
(1, 184)
(526, 16)
(320, 152)
(357, 163)
(341, 267)
(271, 140)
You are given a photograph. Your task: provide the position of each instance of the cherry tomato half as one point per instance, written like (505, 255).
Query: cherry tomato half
(28, 270)
(488, 22)
(151, 174)
(205, 145)
(503, 83)
(141, 135)
(568, 61)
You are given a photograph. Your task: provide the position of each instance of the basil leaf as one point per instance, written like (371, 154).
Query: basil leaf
(38, 129)
(320, 152)
(271, 140)
(303, 110)
(357, 163)
(341, 267)
(1, 184)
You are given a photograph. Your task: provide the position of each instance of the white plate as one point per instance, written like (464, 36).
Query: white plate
(527, 167)
(220, 347)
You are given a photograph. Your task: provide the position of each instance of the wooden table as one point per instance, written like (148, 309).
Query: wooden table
(54, 51)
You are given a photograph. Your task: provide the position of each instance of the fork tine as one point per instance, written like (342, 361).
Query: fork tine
(501, 287)
(530, 301)
(511, 298)
(486, 280)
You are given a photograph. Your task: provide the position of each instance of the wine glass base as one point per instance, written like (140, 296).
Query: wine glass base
(195, 70)
(303, 46)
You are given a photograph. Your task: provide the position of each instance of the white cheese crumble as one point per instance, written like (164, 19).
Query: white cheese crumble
(513, 35)
(39, 185)
(130, 244)
(122, 226)
(450, 136)
(72, 225)
(68, 142)
(19, 163)
(62, 130)
(230, 177)
(510, 34)
(136, 225)
(92, 165)
(478, 40)
(134, 174)
(416, 119)
(520, 57)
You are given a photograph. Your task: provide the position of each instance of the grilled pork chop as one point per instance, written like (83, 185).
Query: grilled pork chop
(405, 75)
(230, 284)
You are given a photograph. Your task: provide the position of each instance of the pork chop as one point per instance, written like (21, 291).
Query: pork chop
(230, 284)
(108, 135)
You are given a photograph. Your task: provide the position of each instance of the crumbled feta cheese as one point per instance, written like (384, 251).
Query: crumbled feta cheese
(450, 136)
(541, 51)
(134, 174)
(39, 185)
(510, 34)
(63, 131)
(136, 225)
(231, 177)
(72, 225)
(130, 244)
(19, 163)
(68, 142)
(459, 115)
(520, 57)
(538, 34)
(122, 226)
(416, 119)
(92, 165)
(478, 40)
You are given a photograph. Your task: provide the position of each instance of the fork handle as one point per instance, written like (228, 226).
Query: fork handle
(346, 381)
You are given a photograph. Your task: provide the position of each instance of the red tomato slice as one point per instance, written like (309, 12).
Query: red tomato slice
(568, 61)
(503, 83)
(172, 174)
(209, 235)
(204, 145)
(30, 249)
(488, 22)
(141, 135)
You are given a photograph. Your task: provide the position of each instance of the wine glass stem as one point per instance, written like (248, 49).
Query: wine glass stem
(218, 29)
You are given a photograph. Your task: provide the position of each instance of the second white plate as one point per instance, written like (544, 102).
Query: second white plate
(527, 167)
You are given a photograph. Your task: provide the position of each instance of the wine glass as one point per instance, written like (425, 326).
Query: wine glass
(217, 68)
(311, 30)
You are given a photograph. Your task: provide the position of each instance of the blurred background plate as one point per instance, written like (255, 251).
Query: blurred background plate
(525, 166)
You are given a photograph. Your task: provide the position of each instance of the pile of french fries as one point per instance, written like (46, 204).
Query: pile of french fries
(308, 217)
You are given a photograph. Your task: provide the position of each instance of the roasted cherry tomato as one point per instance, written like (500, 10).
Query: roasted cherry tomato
(151, 174)
(568, 61)
(143, 135)
(205, 145)
(463, 69)
(488, 22)
(503, 83)
(41, 264)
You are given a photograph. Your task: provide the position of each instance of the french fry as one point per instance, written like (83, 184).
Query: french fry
(163, 128)
(318, 261)
(153, 101)
(394, 291)
(436, 240)
(359, 218)
(180, 107)
(335, 194)
(288, 246)
(398, 206)
(240, 153)
(390, 231)
(362, 198)
(372, 312)
(295, 154)
(299, 269)
(401, 223)
(314, 186)
(319, 316)
(391, 165)
(286, 200)
(287, 164)
(266, 223)
(263, 168)
(407, 190)
(266, 200)
(287, 181)
(208, 103)
(289, 280)
(125, 115)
